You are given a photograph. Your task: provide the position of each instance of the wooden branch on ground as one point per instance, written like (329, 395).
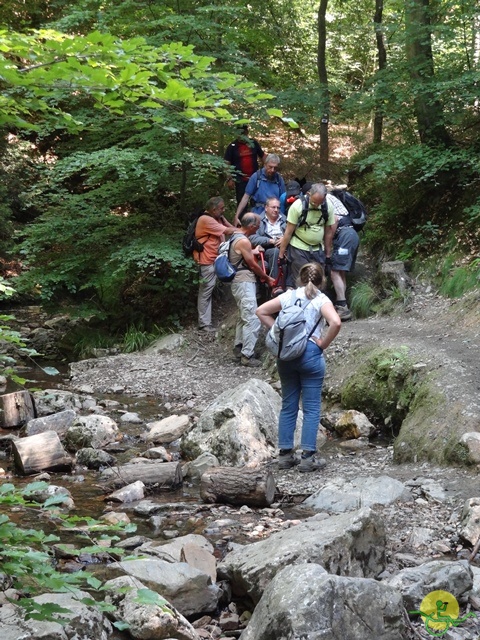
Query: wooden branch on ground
(253, 486)
(167, 475)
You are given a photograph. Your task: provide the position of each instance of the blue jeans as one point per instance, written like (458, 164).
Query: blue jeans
(302, 376)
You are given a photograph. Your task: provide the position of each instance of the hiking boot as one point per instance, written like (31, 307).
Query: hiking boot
(237, 351)
(344, 313)
(207, 328)
(312, 463)
(287, 460)
(250, 362)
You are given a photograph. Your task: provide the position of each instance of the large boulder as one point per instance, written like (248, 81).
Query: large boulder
(172, 551)
(81, 623)
(189, 590)
(167, 430)
(94, 432)
(470, 443)
(165, 344)
(58, 422)
(470, 520)
(304, 601)
(146, 621)
(239, 427)
(393, 274)
(414, 583)
(350, 544)
(51, 401)
(339, 495)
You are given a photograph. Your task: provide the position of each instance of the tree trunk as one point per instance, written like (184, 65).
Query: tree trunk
(253, 486)
(164, 475)
(18, 408)
(324, 92)
(382, 64)
(183, 179)
(40, 452)
(428, 109)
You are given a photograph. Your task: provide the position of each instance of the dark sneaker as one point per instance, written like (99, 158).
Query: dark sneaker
(237, 351)
(277, 291)
(287, 460)
(312, 463)
(344, 313)
(250, 362)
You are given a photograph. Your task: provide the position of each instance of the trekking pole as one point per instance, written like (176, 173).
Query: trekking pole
(262, 262)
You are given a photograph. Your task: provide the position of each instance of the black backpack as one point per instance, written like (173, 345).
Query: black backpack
(356, 209)
(303, 217)
(190, 242)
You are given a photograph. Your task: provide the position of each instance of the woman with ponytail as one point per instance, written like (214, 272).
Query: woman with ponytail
(303, 376)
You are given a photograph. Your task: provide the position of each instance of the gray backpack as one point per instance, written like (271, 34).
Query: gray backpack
(287, 338)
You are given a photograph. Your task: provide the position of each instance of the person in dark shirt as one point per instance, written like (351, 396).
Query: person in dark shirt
(243, 155)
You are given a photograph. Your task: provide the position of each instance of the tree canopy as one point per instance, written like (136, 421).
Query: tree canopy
(114, 119)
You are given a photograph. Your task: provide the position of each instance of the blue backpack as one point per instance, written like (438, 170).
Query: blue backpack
(224, 269)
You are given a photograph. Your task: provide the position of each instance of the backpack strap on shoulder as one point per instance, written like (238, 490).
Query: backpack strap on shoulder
(242, 262)
(303, 216)
(259, 179)
(324, 209)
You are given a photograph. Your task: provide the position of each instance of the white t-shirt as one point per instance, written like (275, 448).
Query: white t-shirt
(311, 308)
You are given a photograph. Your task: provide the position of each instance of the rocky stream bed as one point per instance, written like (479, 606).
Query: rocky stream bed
(425, 524)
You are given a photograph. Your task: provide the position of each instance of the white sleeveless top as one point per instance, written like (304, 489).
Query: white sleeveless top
(312, 310)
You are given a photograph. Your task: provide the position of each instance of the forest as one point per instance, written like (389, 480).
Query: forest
(114, 118)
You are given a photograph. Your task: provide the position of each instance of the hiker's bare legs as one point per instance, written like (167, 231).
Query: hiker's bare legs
(339, 281)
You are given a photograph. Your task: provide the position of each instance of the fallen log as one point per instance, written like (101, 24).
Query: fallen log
(253, 486)
(164, 475)
(39, 452)
(17, 409)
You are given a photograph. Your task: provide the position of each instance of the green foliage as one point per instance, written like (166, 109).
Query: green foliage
(119, 113)
(366, 300)
(10, 338)
(363, 299)
(459, 280)
(85, 343)
(434, 185)
(394, 360)
(41, 68)
(395, 301)
(149, 597)
(27, 558)
(137, 338)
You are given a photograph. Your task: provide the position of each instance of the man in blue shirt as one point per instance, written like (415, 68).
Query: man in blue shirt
(263, 184)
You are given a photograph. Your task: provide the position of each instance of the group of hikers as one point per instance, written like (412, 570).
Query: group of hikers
(289, 237)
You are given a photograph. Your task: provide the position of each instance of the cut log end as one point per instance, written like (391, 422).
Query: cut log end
(17, 409)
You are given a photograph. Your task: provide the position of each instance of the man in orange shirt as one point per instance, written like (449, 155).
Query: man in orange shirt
(211, 229)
